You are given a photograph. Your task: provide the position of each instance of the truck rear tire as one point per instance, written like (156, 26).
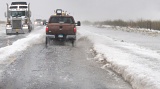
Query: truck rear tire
(46, 42)
(73, 43)
(7, 33)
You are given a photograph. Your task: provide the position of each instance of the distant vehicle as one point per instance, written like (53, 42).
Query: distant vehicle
(44, 22)
(61, 26)
(18, 18)
(38, 22)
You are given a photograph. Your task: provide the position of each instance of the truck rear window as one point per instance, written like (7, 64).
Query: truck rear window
(62, 20)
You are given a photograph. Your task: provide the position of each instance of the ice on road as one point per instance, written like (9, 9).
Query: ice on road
(135, 56)
(59, 66)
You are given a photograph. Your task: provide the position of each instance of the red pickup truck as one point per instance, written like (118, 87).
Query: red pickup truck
(61, 27)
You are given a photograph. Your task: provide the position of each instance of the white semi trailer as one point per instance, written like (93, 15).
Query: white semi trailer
(18, 18)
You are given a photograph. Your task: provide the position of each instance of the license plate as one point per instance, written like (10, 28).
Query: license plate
(17, 30)
(60, 36)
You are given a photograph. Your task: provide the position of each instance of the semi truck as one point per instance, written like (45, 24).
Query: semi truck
(18, 18)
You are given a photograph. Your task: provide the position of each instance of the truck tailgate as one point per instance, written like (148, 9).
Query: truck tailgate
(63, 28)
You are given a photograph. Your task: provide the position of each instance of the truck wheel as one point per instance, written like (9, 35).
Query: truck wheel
(72, 43)
(29, 29)
(7, 33)
(46, 42)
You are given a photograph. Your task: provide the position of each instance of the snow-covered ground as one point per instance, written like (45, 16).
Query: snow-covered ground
(8, 52)
(135, 56)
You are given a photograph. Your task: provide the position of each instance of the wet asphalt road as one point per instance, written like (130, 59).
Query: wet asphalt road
(59, 67)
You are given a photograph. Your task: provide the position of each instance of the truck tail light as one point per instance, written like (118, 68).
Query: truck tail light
(46, 29)
(75, 30)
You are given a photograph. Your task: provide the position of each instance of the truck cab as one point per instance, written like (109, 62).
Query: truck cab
(18, 18)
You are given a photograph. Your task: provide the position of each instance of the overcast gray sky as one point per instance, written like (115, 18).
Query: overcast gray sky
(93, 9)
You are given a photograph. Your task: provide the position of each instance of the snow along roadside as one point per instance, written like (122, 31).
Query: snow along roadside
(35, 37)
(141, 72)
